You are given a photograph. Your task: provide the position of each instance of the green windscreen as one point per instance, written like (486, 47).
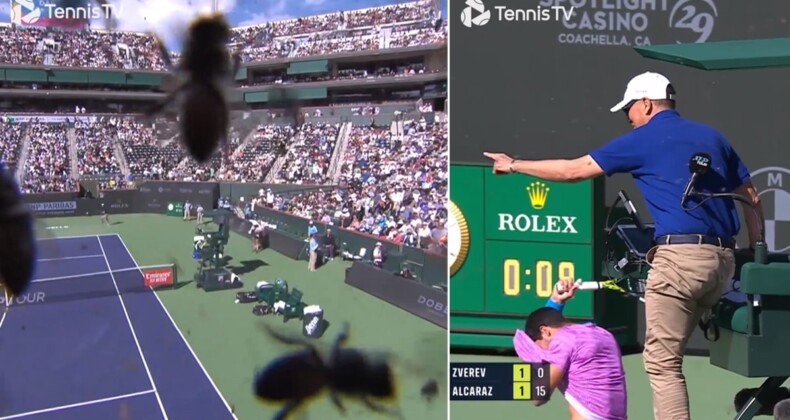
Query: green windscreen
(305, 67)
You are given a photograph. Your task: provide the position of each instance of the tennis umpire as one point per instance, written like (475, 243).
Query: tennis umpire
(693, 259)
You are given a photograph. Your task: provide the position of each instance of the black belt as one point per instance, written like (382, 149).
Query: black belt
(695, 239)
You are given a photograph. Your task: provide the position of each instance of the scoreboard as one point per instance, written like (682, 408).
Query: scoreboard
(499, 381)
(510, 239)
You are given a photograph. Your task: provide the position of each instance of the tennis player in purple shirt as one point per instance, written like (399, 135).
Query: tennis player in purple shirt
(585, 361)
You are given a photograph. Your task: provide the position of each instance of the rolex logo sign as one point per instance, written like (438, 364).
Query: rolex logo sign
(539, 222)
(538, 192)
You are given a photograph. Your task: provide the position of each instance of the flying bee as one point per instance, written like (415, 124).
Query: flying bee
(205, 65)
(301, 375)
(17, 237)
(429, 390)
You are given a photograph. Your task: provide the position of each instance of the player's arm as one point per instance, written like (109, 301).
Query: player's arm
(557, 299)
(556, 374)
(557, 170)
(621, 155)
(739, 181)
(560, 170)
(748, 191)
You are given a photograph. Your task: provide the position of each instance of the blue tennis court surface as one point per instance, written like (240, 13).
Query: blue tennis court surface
(88, 341)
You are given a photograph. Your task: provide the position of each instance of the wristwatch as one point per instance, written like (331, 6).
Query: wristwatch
(512, 162)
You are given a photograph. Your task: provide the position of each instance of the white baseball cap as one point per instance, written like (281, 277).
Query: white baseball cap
(647, 85)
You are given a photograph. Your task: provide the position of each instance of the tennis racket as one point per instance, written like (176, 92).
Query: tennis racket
(627, 286)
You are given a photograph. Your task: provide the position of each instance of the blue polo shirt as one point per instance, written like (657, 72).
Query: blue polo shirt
(657, 156)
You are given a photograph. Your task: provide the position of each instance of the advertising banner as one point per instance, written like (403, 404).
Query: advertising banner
(528, 209)
(426, 302)
(154, 196)
(117, 202)
(158, 277)
(54, 208)
(175, 208)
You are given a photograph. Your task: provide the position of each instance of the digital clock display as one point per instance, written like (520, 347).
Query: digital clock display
(520, 276)
(542, 272)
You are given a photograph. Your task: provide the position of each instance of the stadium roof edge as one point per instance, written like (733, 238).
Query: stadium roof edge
(723, 55)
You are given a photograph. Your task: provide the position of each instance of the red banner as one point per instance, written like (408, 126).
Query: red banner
(158, 277)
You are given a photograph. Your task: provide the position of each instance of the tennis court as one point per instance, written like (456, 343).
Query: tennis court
(88, 341)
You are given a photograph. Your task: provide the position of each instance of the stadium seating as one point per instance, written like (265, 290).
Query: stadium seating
(395, 26)
(393, 178)
(48, 164)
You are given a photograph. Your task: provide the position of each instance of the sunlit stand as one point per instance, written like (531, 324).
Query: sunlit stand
(750, 340)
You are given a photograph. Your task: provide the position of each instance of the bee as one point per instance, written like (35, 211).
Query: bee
(429, 390)
(301, 375)
(17, 237)
(205, 65)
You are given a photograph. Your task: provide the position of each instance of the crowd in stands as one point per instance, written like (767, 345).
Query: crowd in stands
(254, 161)
(396, 187)
(393, 26)
(95, 143)
(402, 178)
(147, 159)
(257, 35)
(47, 168)
(394, 183)
(11, 136)
(400, 36)
(342, 74)
(96, 49)
(309, 155)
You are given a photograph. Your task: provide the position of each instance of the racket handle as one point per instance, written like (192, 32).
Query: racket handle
(561, 289)
(589, 285)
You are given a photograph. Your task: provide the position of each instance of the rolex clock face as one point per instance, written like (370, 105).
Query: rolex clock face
(457, 239)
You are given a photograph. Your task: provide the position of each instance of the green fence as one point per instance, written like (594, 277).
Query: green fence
(307, 67)
(61, 75)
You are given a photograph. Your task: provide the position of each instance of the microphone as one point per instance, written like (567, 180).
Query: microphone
(698, 166)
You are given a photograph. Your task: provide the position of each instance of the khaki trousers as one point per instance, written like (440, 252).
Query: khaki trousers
(683, 285)
(313, 260)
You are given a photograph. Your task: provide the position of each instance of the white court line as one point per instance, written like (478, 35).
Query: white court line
(69, 237)
(78, 257)
(5, 308)
(82, 404)
(203, 368)
(75, 276)
(95, 273)
(134, 334)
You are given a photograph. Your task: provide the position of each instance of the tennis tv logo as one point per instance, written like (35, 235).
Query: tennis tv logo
(24, 12)
(475, 14)
(30, 12)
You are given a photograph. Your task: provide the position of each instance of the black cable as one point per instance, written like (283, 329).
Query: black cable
(736, 197)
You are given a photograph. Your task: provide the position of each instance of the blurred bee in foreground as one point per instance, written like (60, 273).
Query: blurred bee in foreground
(17, 237)
(205, 65)
(301, 375)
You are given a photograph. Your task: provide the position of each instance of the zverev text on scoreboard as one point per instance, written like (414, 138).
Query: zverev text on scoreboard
(499, 381)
